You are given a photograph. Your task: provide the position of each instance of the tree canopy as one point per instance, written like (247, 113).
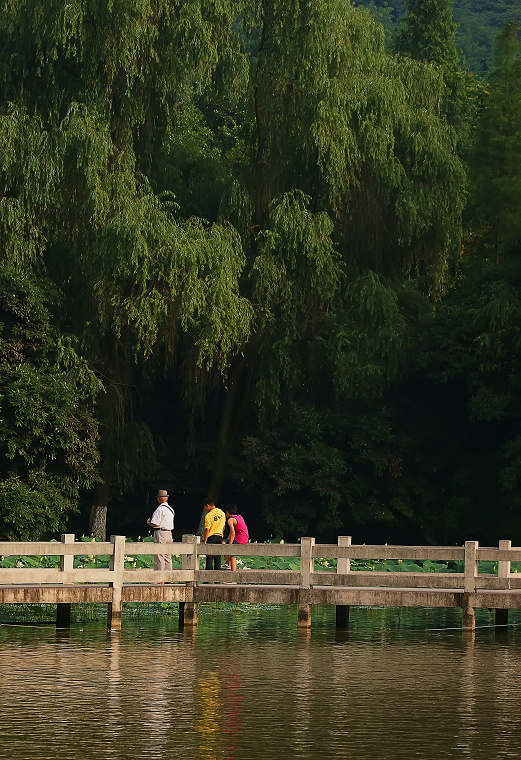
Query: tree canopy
(240, 226)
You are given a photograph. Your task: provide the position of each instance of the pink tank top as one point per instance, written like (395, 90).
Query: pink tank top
(241, 531)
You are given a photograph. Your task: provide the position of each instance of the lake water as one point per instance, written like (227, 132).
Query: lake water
(247, 685)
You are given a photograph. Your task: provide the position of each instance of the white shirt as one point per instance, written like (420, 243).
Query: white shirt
(163, 517)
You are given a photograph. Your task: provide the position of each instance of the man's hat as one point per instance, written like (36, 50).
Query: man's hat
(162, 494)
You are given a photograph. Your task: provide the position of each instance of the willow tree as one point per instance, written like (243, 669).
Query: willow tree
(427, 33)
(344, 175)
(350, 169)
(88, 94)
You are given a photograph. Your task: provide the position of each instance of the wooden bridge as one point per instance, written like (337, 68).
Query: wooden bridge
(305, 587)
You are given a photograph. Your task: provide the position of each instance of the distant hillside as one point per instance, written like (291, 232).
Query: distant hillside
(479, 21)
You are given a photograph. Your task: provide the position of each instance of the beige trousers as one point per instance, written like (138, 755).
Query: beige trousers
(162, 561)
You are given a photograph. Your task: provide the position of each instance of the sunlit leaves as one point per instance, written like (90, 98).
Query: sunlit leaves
(361, 133)
(29, 173)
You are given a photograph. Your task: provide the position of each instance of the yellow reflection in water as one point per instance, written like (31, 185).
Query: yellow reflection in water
(208, 720)
(220, 703)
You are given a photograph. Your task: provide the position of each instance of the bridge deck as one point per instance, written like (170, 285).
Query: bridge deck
(260, 594)
(303, 587)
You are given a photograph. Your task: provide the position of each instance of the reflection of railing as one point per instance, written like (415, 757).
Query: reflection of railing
(304, 586)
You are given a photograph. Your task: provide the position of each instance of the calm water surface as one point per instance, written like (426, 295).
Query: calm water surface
(247, 685)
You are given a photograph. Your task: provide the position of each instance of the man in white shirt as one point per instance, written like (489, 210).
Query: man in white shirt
(162, 521)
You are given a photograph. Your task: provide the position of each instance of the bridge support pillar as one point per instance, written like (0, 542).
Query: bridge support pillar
(342, 616)
(63, 615)
(114, 610)
(187, 614)
(63, 609)
(188, 610)
(501, 618)
(304, 616)
(468, 618)
(470, 584)
(117, 564)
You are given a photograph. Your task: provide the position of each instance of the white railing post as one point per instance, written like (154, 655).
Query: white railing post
(188, 610)
(503, 572)
(306, 569)
(470, 585)
(117, 565)
(189, 561)
(67, 560)
(503, 566)
(63, 609)
(471, 566)
(306, 561)
(343, 566)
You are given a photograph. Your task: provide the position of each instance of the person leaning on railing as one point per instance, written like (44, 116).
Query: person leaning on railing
(238, 533)
(162, 521)
(214, 523)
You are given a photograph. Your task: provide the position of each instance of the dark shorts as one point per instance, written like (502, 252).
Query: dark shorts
(227, 541)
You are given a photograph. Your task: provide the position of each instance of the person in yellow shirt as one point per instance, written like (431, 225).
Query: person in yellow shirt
(214, 522)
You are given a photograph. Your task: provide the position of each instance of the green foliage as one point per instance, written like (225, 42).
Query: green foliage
(253, 205)
(166, 277)
(262, 563)
(89, 98)
(360, 133)
(194, 164)
(477, 25)
(495, 160)
(472, 348)
(428, 33)
(294, 275)
(367, 344)
(296, 464)
(28, 175)
(353, 184)
(479, 22)
(48, 434)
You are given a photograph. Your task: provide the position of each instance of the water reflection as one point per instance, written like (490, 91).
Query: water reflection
(249, 685)
(232, 716)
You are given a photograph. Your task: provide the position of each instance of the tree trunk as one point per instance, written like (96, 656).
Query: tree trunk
(110, 412)
(98, 512)
(98, 521)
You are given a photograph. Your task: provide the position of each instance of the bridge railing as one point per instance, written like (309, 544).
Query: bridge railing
(117, 550)
(306, 553)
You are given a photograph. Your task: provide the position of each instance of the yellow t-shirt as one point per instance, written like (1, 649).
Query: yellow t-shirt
(214, 522)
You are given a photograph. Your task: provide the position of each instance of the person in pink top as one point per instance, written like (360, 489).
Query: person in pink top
(238, 533)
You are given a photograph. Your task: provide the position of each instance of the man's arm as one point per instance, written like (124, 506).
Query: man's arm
(205, 535)
(155, 519)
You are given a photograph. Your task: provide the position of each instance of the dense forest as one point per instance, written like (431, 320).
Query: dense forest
(268, 253)
(477, 25)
